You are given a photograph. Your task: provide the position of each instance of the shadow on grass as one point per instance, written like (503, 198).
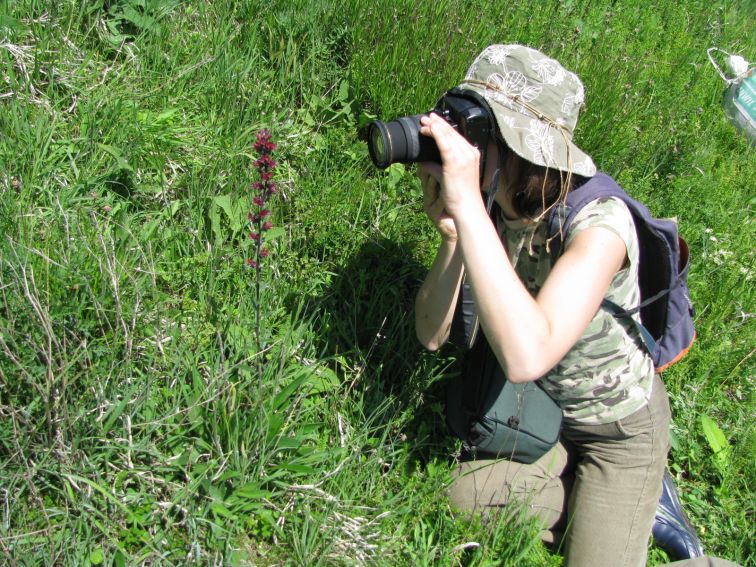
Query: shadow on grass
(367, 320)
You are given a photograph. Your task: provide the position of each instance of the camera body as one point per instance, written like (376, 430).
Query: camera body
(400, 141)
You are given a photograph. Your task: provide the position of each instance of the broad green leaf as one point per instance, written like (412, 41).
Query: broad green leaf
(97, 557)
(149, 229)
(215, 224)
(344, 91)
(115, 414)
(224, 202)
(116, 153)
(285, 443)
(275, 232)
(395, 173)
(251, 491)
(365, 118)
(234, 211)
(287, 391)
(716, 438)
(175, 206)
(674, 440)
(140, 20)
(324, 380)
(166, 115)
(295, 468)
(221, 511)
(275, 424)
(10, 23)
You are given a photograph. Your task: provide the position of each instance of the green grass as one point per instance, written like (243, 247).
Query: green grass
(139, 423)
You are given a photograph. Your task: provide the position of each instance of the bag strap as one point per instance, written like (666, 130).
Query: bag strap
(617, 311)
(562, 215)
(467, 301)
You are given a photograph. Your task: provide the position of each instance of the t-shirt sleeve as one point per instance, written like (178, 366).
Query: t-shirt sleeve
(609, 213)
(612, 214)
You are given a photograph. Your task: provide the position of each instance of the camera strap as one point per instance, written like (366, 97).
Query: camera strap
(472, 323)
(495, 181)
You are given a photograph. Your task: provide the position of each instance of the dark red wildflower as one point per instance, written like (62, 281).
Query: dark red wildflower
(262, 189)
(265, 163)
(263, 145)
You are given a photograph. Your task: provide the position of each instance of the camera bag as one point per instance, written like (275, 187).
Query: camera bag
(491, 415)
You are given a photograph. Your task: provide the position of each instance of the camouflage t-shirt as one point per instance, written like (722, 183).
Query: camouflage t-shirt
(607, 374)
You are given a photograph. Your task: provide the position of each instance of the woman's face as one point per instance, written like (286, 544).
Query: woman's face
(508, 171)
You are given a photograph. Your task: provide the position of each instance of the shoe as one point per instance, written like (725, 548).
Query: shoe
(672, 530)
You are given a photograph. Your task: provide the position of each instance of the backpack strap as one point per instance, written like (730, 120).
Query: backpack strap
(561, 217)
(648, 341)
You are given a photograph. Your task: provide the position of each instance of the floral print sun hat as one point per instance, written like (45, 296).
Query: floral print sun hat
(536, 103)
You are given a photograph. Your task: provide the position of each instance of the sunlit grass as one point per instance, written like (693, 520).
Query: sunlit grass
(139, 421)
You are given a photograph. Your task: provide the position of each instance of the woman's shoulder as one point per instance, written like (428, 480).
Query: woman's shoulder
(610, 213)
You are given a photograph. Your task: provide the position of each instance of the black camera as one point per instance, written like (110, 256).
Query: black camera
(400, 140)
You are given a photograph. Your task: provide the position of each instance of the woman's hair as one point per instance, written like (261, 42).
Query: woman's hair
(536, 188)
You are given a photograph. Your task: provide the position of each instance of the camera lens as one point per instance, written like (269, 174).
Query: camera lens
(378, 144)
(400, 141)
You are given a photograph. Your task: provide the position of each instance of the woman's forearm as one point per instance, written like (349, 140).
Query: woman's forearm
(511, 318)
(529, 335)
(437, 298)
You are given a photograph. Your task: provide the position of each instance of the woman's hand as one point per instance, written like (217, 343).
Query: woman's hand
(434, 206)
(458, 176)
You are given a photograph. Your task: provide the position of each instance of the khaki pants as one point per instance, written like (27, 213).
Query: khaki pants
(595, 492)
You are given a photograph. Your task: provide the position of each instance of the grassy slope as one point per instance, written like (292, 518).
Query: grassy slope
(136, 424)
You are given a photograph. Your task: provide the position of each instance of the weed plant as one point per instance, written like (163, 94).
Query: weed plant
(141, 423)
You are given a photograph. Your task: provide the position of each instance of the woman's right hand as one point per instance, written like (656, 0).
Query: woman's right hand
(434, 206)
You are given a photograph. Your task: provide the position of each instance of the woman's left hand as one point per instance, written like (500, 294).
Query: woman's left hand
(459, 173)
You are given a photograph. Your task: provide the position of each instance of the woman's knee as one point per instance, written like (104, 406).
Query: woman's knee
(479, 485)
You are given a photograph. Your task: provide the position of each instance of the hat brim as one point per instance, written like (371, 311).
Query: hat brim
(535, 140)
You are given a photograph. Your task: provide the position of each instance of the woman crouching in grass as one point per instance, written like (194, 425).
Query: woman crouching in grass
(596, 491)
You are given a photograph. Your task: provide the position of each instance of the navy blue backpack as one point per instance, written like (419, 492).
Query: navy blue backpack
(666, 311)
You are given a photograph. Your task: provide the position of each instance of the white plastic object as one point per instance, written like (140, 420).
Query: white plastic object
(737, 64)
(740, 95)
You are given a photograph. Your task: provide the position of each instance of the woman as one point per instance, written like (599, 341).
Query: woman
(600, 485)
